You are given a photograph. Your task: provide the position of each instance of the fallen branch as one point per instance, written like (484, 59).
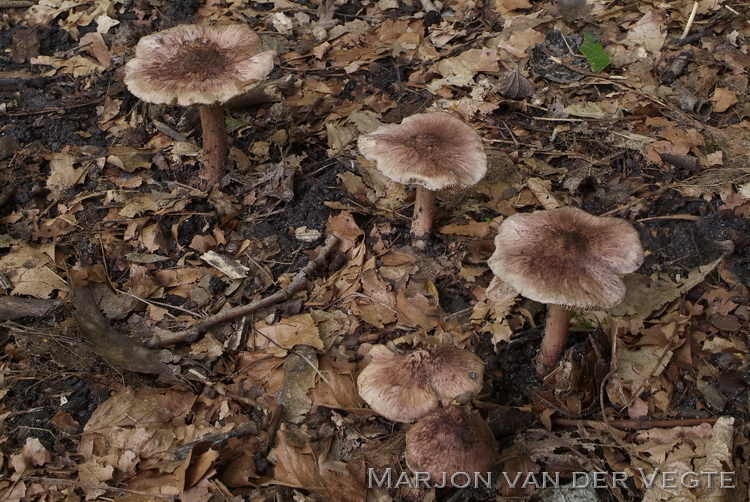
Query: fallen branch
(16, 4)
(14, 307)
(164, 338)
(634, 425)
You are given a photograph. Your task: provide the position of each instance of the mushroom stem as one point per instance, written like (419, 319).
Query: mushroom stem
(215, 145)
(553, 342)
(424, 213)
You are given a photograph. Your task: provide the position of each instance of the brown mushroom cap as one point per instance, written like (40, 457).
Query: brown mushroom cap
(196, 64)
(448, 441)
(435, 150)
(406, 387)
(567, 257)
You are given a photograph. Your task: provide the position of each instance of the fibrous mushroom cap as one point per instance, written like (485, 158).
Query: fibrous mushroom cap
(196, 64)
(567, 257)
(448, 441)
(435, 150)
(406, 387)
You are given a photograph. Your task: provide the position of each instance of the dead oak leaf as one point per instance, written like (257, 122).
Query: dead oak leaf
(376, 305)
(32, 454)
(77, 66)
(481, 229)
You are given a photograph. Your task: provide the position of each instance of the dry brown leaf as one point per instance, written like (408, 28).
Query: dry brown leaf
(170, 278)
(94, 44)
(300, 372)
(32, 454)
(416, 311)
(699, 449)
(294, 461)
(649, 32)
(345, 228)
(723, 99)
(481, 229)
(280, 337)
(77, 66)
(645, 295)
(339, 389)
(640, 366)
(505, 7)
(129, 433)
(31, 270)
(63, 174)
(376, 304)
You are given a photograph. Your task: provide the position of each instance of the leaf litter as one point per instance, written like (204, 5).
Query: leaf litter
(103, 218)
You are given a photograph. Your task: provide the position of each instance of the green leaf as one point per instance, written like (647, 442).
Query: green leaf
(233, 124)
(594, 52)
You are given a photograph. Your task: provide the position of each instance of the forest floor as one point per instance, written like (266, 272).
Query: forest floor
(106, 243)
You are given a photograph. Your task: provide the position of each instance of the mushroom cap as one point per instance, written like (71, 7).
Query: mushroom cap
(196, 64)
(434, 149)
(567, 257)
(455, 372)
(406, 387)
(448, 441)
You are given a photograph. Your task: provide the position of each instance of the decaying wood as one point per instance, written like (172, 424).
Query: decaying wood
(15, 307)
(118, 350)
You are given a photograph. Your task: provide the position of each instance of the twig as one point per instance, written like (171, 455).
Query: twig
(57, 109)
(634, 425)
(95, 486)
(16, 4)
(299, 282)
(690, 21)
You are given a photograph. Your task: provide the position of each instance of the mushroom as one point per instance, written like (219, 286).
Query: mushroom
(405, 387)
(567, 259)
(448, 442)
(200, 65)
(432, 150)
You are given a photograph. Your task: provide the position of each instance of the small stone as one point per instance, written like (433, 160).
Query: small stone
(305, 234)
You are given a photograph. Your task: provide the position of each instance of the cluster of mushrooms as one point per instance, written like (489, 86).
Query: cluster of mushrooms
(432, 386)
(565, 258)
